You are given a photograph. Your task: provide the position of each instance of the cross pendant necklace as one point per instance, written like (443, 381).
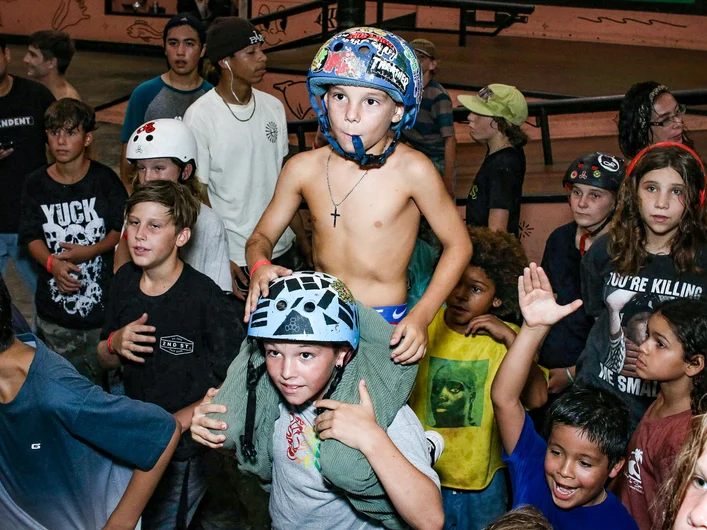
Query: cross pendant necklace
(331, 197)
(335, 215)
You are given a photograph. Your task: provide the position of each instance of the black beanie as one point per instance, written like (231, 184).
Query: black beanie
(185, 19)
(228, 35)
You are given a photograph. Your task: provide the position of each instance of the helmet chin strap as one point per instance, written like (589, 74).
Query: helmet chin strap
(583, 238)
(359, 155)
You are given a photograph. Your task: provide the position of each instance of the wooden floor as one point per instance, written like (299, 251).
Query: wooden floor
(544, 65)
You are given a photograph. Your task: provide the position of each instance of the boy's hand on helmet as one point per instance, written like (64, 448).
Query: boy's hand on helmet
(411, 338)
(129, 340)
(352, 425)
(201, 423)
(259, 282)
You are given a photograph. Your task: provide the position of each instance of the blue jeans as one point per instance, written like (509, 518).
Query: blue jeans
(474, 510)
(24, 263)
(178, 494)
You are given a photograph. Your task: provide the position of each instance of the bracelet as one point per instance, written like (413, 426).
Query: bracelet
(258, 264)
(569, 375)
(110, 343)
(50, 260)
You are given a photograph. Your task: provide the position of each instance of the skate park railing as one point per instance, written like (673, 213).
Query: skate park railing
(541, 110)
(469, 21)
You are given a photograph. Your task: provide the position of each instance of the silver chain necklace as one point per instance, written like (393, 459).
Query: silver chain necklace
(255, 104)
(331, 197)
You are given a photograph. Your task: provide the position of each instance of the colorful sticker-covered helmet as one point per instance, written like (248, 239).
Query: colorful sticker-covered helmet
(307, 307)
(600, 170)
(368, 57)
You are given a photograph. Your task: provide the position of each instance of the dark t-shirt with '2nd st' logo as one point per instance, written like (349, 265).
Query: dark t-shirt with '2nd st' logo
(198, 335)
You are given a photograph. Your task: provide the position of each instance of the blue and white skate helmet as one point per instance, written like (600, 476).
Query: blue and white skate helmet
(307, 307)
(367, 57)
(374, 58)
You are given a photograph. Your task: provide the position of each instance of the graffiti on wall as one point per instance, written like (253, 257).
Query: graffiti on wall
(296, 98)
(331, 18)
(141, 30)
(626, 20)
(275, 31)
(69, 13)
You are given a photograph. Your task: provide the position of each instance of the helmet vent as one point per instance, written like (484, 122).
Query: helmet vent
(149, 137)
(281, 305)
(309, 307)
(364, 50)
(338, 46)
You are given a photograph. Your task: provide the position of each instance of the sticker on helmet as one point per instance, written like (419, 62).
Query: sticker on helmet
(609, 162)
(382, 45)
(390, 72)
(344, 64)
(583, 175)
(149, 127)
(294, 324)
(597, 174)
(573, 175)
(343, 291)
(320, 59)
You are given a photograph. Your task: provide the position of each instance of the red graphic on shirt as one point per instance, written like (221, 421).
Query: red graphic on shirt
(295, 437)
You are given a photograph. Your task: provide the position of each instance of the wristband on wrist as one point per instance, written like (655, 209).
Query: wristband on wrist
(110, 343)
(50, 260)
(258, 264)
(569, 375)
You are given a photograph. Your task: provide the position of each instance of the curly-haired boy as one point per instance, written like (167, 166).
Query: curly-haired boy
(467, 342)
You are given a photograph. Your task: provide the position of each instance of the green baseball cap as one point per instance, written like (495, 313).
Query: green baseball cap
(498, 101)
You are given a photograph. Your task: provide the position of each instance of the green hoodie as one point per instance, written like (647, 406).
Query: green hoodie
(389, 385)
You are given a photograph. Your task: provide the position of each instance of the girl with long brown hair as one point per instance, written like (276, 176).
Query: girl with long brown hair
(656, 250)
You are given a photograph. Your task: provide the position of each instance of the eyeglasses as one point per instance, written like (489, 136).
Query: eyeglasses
(675, 118)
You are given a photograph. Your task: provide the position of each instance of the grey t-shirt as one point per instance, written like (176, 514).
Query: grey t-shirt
(207, 249)
(301, 497)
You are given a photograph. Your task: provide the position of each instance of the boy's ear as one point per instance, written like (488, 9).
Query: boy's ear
(615, 470)
(203, 50)
(399, 111)
(695, 365)
(344, 356)
(497, 302)
(183, 237)
(187, 172)
(88, 139)
(433, 64)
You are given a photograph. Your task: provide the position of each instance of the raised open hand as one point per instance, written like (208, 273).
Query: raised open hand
(537, 301)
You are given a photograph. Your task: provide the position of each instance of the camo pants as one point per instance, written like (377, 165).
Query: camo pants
(78, 346)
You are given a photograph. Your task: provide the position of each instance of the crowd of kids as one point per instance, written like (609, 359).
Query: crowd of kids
(569, 395)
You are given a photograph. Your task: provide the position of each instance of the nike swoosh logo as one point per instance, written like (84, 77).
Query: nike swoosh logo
(397, 315)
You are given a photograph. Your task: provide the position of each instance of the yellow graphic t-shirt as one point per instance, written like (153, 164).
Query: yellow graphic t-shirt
(452, 396)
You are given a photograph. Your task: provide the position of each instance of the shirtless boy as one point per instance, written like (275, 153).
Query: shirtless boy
(366, 193)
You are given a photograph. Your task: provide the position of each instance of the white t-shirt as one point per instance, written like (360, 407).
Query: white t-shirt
(207, 249)
(240, 162)
(302, 498)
